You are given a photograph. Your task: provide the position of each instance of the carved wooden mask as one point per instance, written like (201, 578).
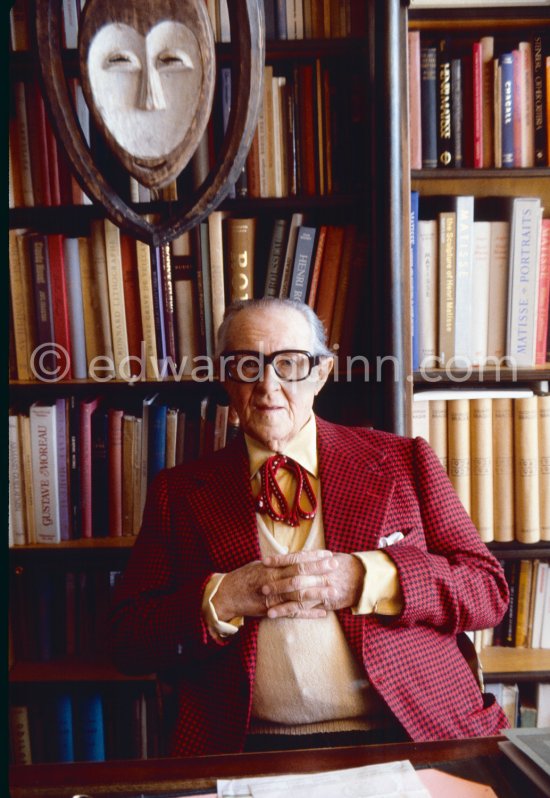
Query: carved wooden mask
(148, 72)
(148, 75)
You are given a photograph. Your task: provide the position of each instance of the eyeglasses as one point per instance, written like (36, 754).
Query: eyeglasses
(290, 365)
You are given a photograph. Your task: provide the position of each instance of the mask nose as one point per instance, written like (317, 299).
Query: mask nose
(151, 96)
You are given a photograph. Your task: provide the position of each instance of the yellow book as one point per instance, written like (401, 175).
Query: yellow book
(458, 421)
(526, 470)
(437, 417)
(543, 403)
(116, 300)
(481, 459)
(93, 333)
(521, 633)
(143, 256)
(24, 325)
(503, 469)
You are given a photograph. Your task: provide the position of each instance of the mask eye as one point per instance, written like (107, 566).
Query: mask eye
(122, 61)
(173, 61)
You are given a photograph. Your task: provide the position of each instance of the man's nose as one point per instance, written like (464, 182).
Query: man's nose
(268, 377)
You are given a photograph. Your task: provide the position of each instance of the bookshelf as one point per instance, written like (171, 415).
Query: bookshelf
(53, 662)
(488, 182)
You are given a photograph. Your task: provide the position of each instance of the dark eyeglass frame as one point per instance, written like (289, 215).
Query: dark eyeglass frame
(266, 360)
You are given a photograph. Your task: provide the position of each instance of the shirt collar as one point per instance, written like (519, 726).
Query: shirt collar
(302, 448)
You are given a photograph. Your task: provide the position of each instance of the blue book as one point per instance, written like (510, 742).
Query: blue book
(428, 101)
(303, 258)
(280, 13)
(91, 731)
(506, 63)
(156, 454)
(62, 732)
(414, 280)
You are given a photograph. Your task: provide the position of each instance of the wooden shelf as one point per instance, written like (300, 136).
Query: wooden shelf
(520, 664)
(70, 670)
(439, 378)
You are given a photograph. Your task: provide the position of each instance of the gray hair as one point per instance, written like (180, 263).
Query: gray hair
(319, 334)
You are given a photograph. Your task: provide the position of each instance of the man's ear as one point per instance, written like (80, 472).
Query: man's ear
(325, 366)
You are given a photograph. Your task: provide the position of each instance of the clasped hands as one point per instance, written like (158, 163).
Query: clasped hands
(305, 584)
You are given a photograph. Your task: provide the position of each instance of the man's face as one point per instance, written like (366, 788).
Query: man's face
(271, 410)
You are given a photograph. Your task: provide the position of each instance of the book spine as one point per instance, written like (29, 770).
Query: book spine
(415, 114)
(45, 365)
(487, 44)
(330, 270)
(464, 276)
(543, 295)
(60, 305)
(507, 109)
(45, 473)
(526, 486)
(317, 263)
(91, 731)
(303, 257)
(447, 282)
(116, 300)
(115, 471)
(206, 285)
(524, 592)
(23, 148)
(156, 454)
(132, 314)
(143, 259)
(20, 735)
(457, 105)
(101, 484)
(184, 276)
(498, 288)
(168, 300)
(503, 469)
(528, 106)
(15, 471)
(543, 408)
(241, 235)
(458, 421)
(87, 407)
(74, 465)
(63, 468)
(480, 291)
(26, 457)
(539, 99)
(481, 433)
(415, 280)
(477, 105)
(428, 87)
(275, 258)
(21, 305)
(445, 150)
(437, 417)
(217, 284)
(71, 252)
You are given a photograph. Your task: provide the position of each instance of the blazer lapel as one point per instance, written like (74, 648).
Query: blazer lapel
(224, 508)
(350, 477)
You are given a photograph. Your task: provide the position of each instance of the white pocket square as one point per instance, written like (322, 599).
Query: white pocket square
(389, 540)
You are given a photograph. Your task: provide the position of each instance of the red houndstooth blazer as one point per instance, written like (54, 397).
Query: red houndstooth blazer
(200, 519)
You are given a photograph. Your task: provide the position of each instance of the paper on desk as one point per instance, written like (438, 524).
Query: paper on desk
(388, 780)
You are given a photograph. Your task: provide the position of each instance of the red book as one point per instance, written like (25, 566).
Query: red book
(477, 107)
(53, 164)
(36, 117)
(330, 272)
(87, 407)
(132, 302)
(60, 308)
(115, 471)
(543, 295)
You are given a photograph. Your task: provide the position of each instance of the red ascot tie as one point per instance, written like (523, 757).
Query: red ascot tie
(270, 490)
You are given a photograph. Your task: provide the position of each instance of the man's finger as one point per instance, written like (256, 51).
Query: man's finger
(296, 609)
(282, 560)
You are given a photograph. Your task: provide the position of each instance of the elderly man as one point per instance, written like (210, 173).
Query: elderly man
(305, 585)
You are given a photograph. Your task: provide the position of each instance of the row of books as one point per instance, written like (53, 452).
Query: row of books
(85, 725)
(105, 305)
(284, 19)
(480, 281)
(526, 623)
(495, 447)
(58, 615)
(523, 709)
(299, 147)
(483, 106)
(80, 468)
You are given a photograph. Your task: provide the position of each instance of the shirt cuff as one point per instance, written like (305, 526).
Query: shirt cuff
(217, 628)
(381, 589)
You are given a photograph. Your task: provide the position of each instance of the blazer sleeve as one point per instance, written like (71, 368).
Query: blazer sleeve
(449, 579)
(156, 620)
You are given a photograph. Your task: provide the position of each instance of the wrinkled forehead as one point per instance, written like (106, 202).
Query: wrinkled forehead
(142, 15)
(269, 329)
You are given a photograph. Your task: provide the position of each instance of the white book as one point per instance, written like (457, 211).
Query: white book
(427, 292)
(523, 280)
(225, 28)
(16, 489)
(472, 393)
(45, 472)
(75, 305)
(545, 625)
(295, 223)
(464, 207)
(480, 292)
(420, 419)
(543, 705)
(539, 601)
(498, 289)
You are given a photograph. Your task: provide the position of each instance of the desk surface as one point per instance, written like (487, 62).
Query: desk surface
(478, 759)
